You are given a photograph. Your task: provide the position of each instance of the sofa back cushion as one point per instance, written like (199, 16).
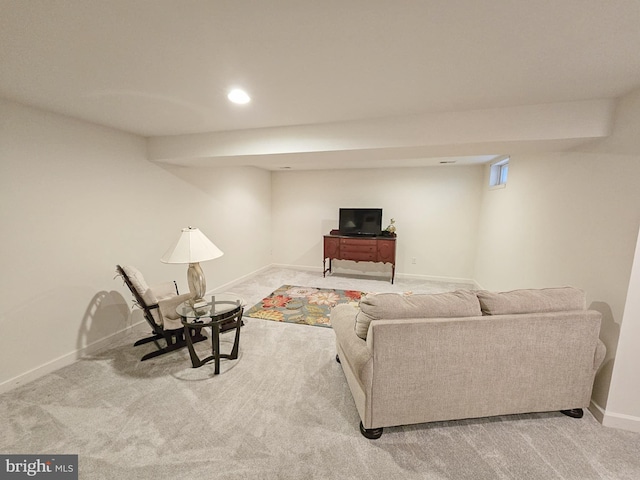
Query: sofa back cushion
(389, 306)
(542, 300)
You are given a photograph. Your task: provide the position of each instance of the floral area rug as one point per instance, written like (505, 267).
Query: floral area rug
(306, 305)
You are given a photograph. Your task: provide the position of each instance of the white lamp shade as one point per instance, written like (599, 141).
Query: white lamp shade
(191, 247)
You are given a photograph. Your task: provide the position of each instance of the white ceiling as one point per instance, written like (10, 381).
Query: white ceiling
(161, 68)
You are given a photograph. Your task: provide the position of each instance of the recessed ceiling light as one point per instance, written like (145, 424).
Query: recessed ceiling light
(239, 96)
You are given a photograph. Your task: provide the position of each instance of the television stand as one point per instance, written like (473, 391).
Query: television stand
(359, 249)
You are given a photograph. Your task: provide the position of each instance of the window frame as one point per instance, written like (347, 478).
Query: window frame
(499, 173)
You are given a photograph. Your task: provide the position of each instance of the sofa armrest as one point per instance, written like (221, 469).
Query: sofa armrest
(343, 322)
(598, 358)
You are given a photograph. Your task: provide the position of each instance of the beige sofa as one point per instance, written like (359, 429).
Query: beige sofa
(422, 358)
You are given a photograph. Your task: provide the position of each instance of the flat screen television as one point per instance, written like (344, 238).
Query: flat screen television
(360, 222)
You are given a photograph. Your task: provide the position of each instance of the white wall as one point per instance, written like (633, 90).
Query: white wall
(572, 218)
(236, 203)
(77, 199)
(436, 211)
(624, 391)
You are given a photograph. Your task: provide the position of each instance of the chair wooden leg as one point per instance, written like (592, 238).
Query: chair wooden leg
(153, 338)
(173, 341)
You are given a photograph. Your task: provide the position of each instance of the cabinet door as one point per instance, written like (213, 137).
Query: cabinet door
(331, 247)
(387, 251)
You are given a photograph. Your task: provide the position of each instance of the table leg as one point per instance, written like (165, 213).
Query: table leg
(195, 361)
(324, 265)
(215, 345)
(236, 341)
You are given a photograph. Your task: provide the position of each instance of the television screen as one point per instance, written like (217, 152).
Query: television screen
(360, 221)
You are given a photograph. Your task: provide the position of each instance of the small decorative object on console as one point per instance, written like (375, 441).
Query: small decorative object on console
(390, 231)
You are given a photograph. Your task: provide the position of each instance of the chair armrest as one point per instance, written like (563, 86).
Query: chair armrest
(168, 305)
(170, 319)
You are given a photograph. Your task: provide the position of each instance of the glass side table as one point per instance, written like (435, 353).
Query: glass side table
(223, 312)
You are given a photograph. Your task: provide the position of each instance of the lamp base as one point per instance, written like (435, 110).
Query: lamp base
(197, 283)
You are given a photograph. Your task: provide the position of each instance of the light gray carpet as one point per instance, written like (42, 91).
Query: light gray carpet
(281, 411)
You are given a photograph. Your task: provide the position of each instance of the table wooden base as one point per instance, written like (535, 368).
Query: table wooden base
(228, 323)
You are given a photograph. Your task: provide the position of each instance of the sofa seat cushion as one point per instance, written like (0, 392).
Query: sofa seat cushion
(542, 300)
(390, 306)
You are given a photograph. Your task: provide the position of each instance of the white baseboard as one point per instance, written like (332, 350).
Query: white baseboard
(303, 268)
(597, 411)
(614, 420)
(433, 278)
(64, 360)
(621, 421)
(377, 274)
(232, 283)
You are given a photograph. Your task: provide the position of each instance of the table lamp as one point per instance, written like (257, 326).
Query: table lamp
(193, 247)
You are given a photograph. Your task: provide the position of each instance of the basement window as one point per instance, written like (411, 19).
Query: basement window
(498, 173)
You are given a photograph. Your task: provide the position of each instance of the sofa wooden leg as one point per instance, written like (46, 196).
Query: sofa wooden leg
(573, 413)
(371, 433)
(338, 359)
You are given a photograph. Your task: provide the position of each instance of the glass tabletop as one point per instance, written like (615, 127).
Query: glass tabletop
(216, 306)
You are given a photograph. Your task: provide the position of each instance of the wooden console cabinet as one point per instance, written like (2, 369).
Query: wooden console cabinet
(359, 249)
